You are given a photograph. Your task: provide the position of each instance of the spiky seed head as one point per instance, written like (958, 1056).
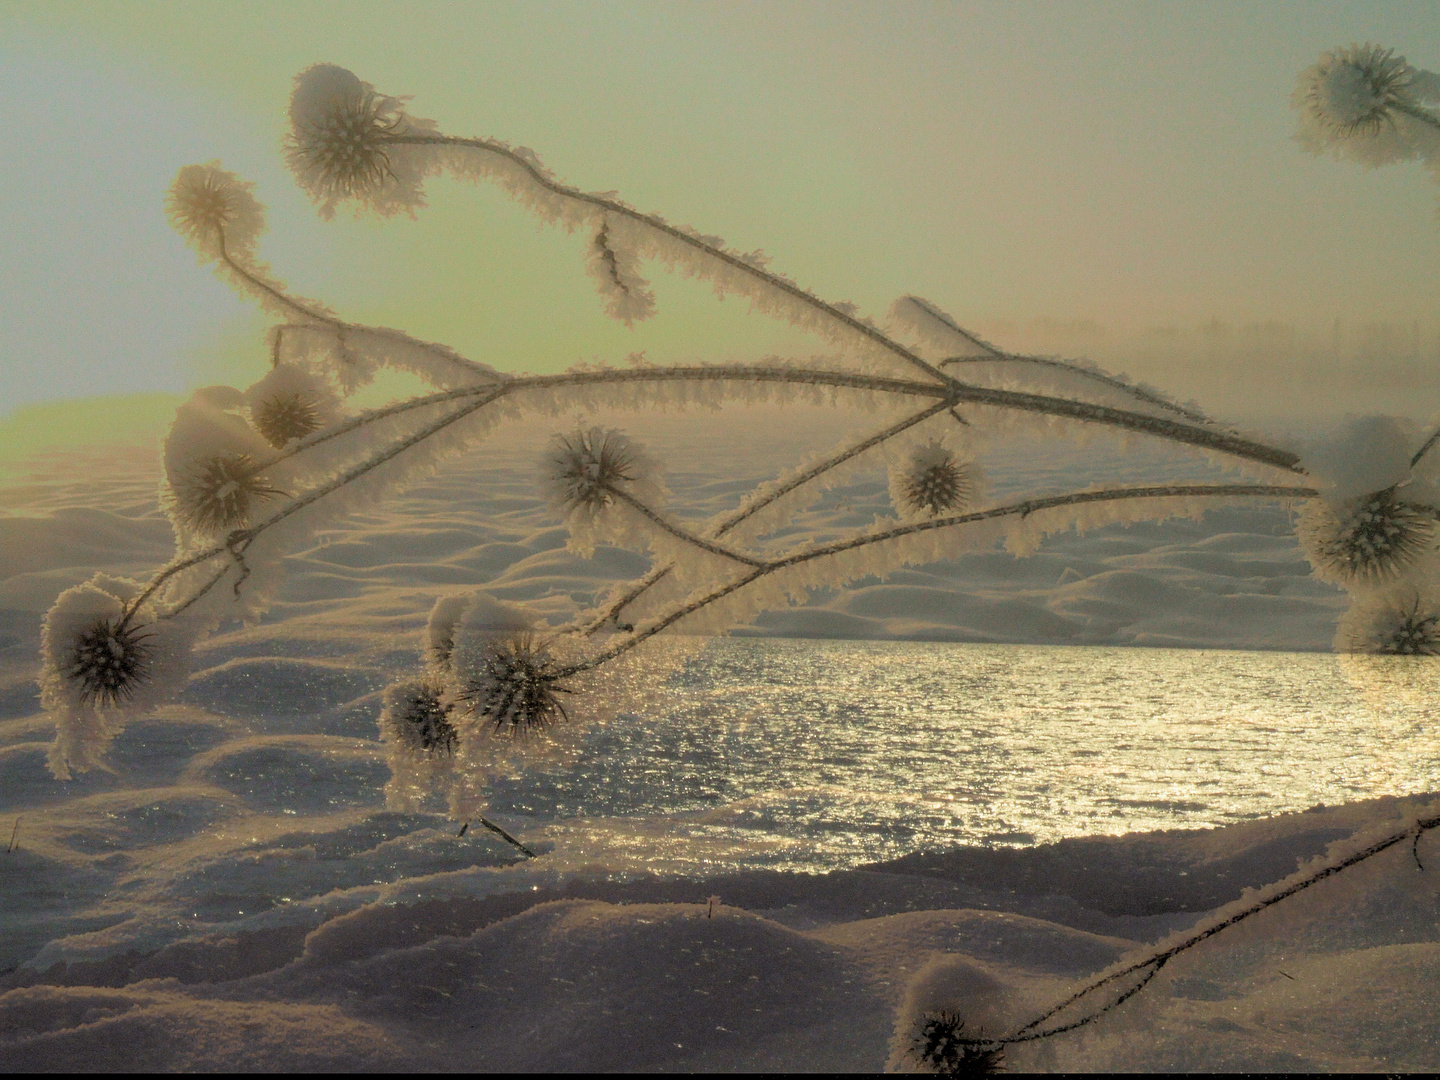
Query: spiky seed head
(220, 493)
(935, 482)
(214, 210)
(583, 470)
(108, 661)
(339, 134)
(516, 685)
(1354, 89)
(425, 718)
(1412, 634)
(281, 417)
(1396, 623)
(1367, 540)
(942, 1045)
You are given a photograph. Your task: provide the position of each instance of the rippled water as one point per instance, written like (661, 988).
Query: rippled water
(819, 754)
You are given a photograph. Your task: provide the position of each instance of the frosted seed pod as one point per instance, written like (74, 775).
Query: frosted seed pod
(215, 211)
(290, 403)
(933, 481)
(1368, 540)
(416, 719)
(1391, 624)
(1354, 88)
(213, 464)
(220, 493)
(97, 661)
(583, 471)
(515, 687)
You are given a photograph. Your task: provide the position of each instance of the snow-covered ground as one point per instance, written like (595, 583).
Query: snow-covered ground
(232, 894)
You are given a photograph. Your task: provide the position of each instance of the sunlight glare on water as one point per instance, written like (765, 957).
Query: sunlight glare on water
(821, 754)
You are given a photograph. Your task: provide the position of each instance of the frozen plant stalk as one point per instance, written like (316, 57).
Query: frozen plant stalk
(252, 474)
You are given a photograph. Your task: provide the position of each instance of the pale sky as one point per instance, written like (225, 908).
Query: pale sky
(1113, 180)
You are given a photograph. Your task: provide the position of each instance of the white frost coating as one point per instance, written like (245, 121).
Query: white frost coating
(611, 260)
(97, 669)
(419, 736)
(937, 330)
(341, 144)
(440, 629)
(1365, 454)
(212, 458)
(1358, 101)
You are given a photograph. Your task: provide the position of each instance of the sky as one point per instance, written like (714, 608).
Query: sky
(1116, 181)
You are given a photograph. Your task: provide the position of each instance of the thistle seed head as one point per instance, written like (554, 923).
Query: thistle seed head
(934, 482)
(282, 418)
(220, 494)
(425, 719)
(1391, 625)
(214, 210)
(1370, 539)
(583, 470)
(942, 1046)
(1354, 89)
(339, 130)
(516, 687)
(108, 662)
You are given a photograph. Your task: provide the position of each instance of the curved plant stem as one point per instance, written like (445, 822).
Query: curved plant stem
(1030, 1032)
(616, 207)
(1020, 509)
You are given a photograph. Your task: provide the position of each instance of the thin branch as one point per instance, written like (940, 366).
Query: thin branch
(752, 508)
(1021, 509)
(1028, 1032)
(779, 283)
(679, 533)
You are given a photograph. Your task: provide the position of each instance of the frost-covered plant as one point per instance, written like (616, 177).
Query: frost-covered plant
(1365, 103)
(253, 474)
(943, 1046)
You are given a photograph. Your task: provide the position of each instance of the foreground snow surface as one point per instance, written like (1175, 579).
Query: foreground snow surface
(787, 972)
(231, 896)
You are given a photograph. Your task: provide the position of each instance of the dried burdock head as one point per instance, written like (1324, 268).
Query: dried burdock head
(339, 131)
(1368, 540)
(583, 470)
(942, 1045)
(516, 685)
(108, 662)
(282, 418)
(1355, 89)
(425, 719)
(214, 210)
(221, 492)
(934, 482)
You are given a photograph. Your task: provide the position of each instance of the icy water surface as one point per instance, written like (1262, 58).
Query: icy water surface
(820, 754)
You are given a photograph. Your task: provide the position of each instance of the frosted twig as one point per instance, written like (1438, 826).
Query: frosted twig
(1028, 1032)
(616, 207)
(1021, 509)
(500, 832)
